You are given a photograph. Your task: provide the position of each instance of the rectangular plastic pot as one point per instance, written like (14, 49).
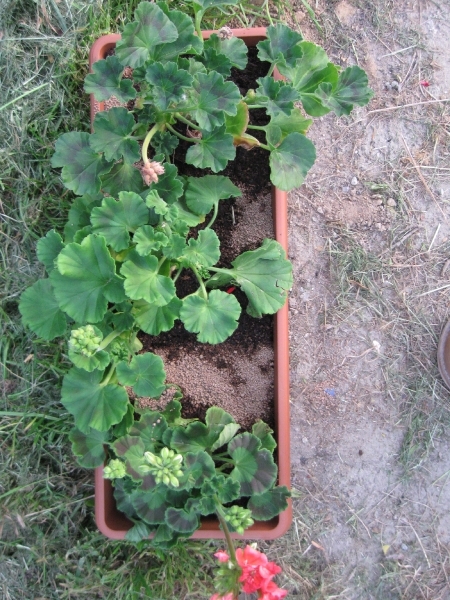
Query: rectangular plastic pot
(115, 524)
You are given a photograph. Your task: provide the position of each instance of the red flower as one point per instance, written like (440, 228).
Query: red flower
(222, 556)
(270, 591)
(425, 83)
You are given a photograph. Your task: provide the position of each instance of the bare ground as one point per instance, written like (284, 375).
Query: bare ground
(370, 240)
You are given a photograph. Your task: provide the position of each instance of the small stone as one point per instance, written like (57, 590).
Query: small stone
(305, 440)
(391, 202)
(404, 547)
(320, 210)
(346, 189)
(395, 85)
(354, 181)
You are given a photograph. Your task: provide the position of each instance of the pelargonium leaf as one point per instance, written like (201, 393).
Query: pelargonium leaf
(85, 280)
(254, 469)
(139, 532)
(226, 435)
(80, 214)
(205, 250)
(203, 192)
(41, 312)
(264, 274)
(164, 143)
(213, 151)
(81, 166)
(214, 60)
(106, 81)
(89, 447)
(264, 433)
(151, 28)
(233, 48)
(291, 161)
(115, 219)
(155, 319)
(191, 65)
(122, 177)
(124, 492)
(92, 403)
(48, 248)
(278, 97)
(213, 97)
(123, 427)
(168, 83)
(154, 200)
(213, 318)
(186, 216)
(151, 505)
(269, 504)
(169, 185)
(237, 124)
(145, 374)
(131, 448)
(295, 122)
(176, 247)
(201, 6)
(150, 428)
(148, 240)
(225, 488)
(187, 42)
(112, 135)
(351, 88)
(193, 438)
(307, 72)
(143, 282)
(98, 360)
(182, 520)
(197, 467)
(281, 45)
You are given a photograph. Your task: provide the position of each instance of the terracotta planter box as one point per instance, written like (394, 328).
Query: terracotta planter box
(113, 523)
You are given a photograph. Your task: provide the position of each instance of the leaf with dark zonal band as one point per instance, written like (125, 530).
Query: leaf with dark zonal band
(213, 97)
(122, 177)
(203, 192)
(225, 488)
(201, 6)
(164, 143)
(92, 403)
(291, 161)
(264, 274)
(112, 135)
(205, 250)
(201, 436)
(150, 428)
(155, 319)
(81, 166)
(269, 504)
(213, 151)
(106, 81)
(214, 319)
(151, 28)
(143, 282)
(148, 240)
(151, 505)
(139, 532)
(294, 123)
(215, 61)
(264, 433)
(168, 83)
(85, 280)
(89, 447)
(145, 374)
(183, 520)
(115, 219)
(254, 468)
(41, 312)
(351, 88)
(196, 468)
(233, 48)
(277, 96)
(281, 45)
(48, 248)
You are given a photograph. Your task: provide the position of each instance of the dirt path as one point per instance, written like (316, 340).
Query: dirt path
(369, 238)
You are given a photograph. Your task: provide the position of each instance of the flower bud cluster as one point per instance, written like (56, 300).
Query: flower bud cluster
(114, 470)
(85, 340)
(151, 170)
(239, 518)
(165, 468)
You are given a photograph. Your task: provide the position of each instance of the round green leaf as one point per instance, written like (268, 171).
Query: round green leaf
(233, 48)
(90, 402)
(142, 281)
(106, 81)
(41, 312)
(122, 177)
(155, 319)
(203, 192)
(197, 467)
(281, 45)
(291, 161)
(213, 97)
(167, 83)
(151, 505)
(213, 151)
(145, 374)
(182, 520)
(169, 186)
(150, 428)
(147, 240)
(48, 248)
(187, 41)
(205, 250)
(114, 219)
(269, 504)
(214, 319)
(85, 280)
(112, 135)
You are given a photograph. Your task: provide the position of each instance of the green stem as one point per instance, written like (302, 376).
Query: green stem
(271, 70)
(182, 137)
(110, 373)
(108, 339)
(147, 140)
(202, 285)
(265, 146)
(175, 279)
(268, 12)
(259, 127)
(226, 531)
(214, 215)
(189, 123)
(197, 23)
(161, 262)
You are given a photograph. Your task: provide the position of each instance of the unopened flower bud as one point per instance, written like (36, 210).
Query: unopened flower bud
(225, 33)
(151, 170)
